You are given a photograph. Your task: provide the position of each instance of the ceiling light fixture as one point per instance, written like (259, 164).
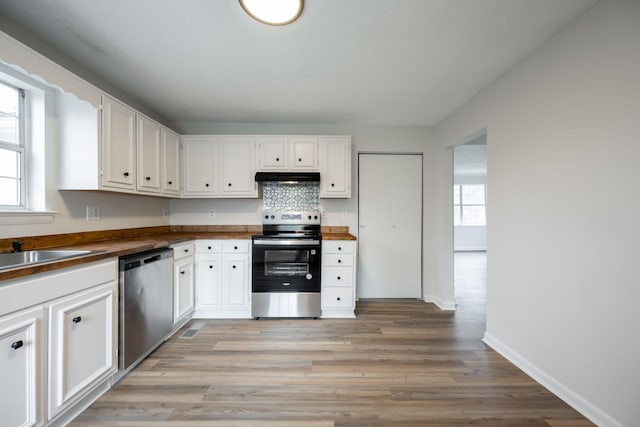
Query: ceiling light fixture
(273, 12)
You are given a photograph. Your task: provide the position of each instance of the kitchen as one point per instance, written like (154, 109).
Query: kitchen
(122, 211)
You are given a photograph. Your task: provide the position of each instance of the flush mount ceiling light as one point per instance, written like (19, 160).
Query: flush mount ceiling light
(273, 12)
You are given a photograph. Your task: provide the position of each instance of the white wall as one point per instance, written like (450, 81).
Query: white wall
(342, 212)
(563, 149)
(117, 210)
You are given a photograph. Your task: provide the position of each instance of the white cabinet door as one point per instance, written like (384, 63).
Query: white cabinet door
(335, 166)
(238, 167)
(21, 358)
(118, 144)
(81, 343)
(184, 288)
(235, 285)
(200, 168)
(171, 162)
(272, 153)
(183, 283)
(303, 153)
(149, 155)
(208, 274)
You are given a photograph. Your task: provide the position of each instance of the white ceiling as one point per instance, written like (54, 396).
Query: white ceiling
(392, 62)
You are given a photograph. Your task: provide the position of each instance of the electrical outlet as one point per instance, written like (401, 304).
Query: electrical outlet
(212, 213)
(165, 213)
(93, 213)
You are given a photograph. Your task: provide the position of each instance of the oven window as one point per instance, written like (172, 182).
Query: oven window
(282, 262)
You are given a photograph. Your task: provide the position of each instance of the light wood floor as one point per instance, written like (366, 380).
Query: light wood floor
(400, 363)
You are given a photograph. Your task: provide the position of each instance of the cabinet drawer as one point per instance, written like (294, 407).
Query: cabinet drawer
(337, 276)
(209, 246)
(337, 297)
(338, 247)
(183, 250)
(338, 260)
(235, 246)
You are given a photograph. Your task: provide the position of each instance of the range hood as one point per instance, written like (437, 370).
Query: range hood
(288, 176)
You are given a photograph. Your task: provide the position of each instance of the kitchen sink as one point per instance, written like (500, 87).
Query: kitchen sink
(20, 259)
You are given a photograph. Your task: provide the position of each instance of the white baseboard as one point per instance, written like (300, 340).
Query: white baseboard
(470, 249)
(572, 398)
(442, 305)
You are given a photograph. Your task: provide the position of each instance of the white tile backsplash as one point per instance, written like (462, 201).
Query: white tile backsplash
(280, 196)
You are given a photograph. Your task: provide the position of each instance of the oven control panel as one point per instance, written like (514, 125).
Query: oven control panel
(310, 217)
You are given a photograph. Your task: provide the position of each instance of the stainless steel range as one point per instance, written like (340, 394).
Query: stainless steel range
(286, 265)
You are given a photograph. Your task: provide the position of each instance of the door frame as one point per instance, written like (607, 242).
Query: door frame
(401, 153)
(449, 272)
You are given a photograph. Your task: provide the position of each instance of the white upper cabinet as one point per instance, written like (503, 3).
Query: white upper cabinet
(149, 155)
(282, 153)
(303, 153)
(238, 167)
(199, 166)
(114, 148)
(335, 166)
(118, 144)
(171, 162)
(219, 166)
(271, 153)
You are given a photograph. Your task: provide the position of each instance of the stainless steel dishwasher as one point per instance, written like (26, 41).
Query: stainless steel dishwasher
(146, 304)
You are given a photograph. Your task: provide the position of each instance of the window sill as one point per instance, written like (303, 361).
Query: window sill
(26, 217)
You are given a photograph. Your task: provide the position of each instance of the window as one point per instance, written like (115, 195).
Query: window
(12, 147)
(469, 204)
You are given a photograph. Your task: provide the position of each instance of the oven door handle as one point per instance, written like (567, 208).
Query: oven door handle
(283, 242)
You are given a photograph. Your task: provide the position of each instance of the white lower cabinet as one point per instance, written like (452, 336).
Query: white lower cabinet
(338, 278)
(223, 279)
(236, 281)
(184, 290)
(21, 370)
(183, 283)
(62, 327)
(81, 344)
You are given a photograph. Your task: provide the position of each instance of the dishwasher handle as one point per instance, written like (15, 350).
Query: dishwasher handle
(152, 259)
(138, 260)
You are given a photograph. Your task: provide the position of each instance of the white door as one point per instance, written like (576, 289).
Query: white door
(390, 226)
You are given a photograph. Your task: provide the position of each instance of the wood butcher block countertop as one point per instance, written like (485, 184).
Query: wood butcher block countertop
(116, 243)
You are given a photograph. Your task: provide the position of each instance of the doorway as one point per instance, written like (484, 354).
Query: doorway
(390, 225)
(470, 221)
